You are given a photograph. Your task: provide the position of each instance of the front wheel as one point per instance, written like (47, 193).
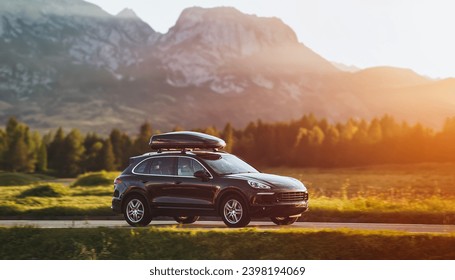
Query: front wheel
(234, 212)
(186, 219)
(136, 211)
(284, 220)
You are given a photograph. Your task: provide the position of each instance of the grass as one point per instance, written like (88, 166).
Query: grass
(17, 179)
(152, 243)
(82, 198)
(385, 182)
(95, 179)
(44, 190)
(422, 193)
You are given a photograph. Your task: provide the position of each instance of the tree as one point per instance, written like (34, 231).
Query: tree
(41, 164)
(140, 145)
(3, 148)
(73, 154)
(17, 157)
(228, 136)
(56, 150)
(18, 140)
(106, 157)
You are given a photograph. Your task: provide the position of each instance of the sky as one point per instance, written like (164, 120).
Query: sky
(414, 34)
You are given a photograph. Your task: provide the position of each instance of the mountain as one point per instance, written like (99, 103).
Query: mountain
(346, 68)
(68, 63)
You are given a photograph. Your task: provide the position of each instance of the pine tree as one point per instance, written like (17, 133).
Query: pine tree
(41, 164)
(18, 139)
(107, 158)
(141, 143)
(228, 136)
(73, 154)
(3, 149)
(56, 152)
(118, 147)
(17, 157)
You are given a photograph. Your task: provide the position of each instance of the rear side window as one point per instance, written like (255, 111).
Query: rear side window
(143, 167)
(156, 166)
(162, 166)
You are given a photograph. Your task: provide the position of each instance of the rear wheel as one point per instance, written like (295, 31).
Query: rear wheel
(284, 220)
(234, 212)
(186, 219)
(137, 212)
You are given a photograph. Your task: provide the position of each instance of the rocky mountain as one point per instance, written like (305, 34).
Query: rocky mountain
(68, 63)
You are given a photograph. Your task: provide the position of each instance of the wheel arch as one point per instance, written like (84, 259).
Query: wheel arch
(132, 192)
(227, 192)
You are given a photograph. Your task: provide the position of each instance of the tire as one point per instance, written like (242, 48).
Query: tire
(282, 221)
(234, 212)
(186, 219)
(136, 211)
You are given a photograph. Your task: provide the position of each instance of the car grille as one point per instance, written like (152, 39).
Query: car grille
(292, 196)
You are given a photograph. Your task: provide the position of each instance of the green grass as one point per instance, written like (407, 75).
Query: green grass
(385, 182)
(422, 193)
(17, 179)
(45, 190)
(95, 179)
(152, 243)
(54, 199)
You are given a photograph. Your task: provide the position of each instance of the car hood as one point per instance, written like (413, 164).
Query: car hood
(275, 181)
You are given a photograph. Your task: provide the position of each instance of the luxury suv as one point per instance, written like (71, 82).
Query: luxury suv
(188, 176)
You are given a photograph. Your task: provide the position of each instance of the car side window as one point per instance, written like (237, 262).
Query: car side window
(162, 166)
(143, 167)
(188, 166)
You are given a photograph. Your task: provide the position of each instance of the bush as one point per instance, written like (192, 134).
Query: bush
(17, 179)
(46, 190)
(95, 179)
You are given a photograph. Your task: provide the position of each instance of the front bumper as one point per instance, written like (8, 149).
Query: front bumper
(283, 204)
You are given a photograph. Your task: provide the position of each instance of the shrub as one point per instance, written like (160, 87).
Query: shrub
(46, 190)
(95, 179)
(17, 179)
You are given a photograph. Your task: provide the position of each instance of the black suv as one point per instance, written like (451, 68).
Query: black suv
(187, 177)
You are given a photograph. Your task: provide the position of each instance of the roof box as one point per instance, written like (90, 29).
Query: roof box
(185, 140)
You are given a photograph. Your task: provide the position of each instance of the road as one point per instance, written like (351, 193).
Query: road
(207, 225)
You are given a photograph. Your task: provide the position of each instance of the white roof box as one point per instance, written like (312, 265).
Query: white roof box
(185, 140)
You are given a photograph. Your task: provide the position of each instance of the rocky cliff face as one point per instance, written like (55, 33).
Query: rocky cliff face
(208, 46)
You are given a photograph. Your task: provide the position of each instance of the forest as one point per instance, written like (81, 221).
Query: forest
(306, 142)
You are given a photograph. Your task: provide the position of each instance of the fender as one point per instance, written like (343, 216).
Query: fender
(222, 193)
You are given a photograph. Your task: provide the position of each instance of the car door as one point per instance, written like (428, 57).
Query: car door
(189, 191)
(158, 176)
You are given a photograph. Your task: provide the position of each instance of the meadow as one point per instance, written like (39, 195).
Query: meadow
(177, 243)
(418, 193)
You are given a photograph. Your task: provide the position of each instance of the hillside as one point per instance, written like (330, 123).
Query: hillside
(69, 63)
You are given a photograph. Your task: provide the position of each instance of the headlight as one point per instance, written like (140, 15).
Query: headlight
(258, 185)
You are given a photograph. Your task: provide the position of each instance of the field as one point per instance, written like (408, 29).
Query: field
(153, 243)
(88, 195)
(423, 193)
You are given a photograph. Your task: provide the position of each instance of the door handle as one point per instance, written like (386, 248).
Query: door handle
(178, 182)
(145, 181)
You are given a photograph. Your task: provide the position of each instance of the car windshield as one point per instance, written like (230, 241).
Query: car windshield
(228, 164)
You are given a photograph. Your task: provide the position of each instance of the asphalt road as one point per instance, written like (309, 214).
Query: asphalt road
(207, 225)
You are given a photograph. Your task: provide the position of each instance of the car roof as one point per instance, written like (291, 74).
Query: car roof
(194, 153)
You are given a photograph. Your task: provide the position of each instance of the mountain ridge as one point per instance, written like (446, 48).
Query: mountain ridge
(95, 71)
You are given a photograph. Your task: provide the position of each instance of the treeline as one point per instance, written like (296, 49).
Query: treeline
(307, 142)
(312, 142)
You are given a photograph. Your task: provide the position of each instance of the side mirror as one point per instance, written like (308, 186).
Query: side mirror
(202, 174)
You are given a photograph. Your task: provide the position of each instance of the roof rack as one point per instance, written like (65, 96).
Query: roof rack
(185, 140)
